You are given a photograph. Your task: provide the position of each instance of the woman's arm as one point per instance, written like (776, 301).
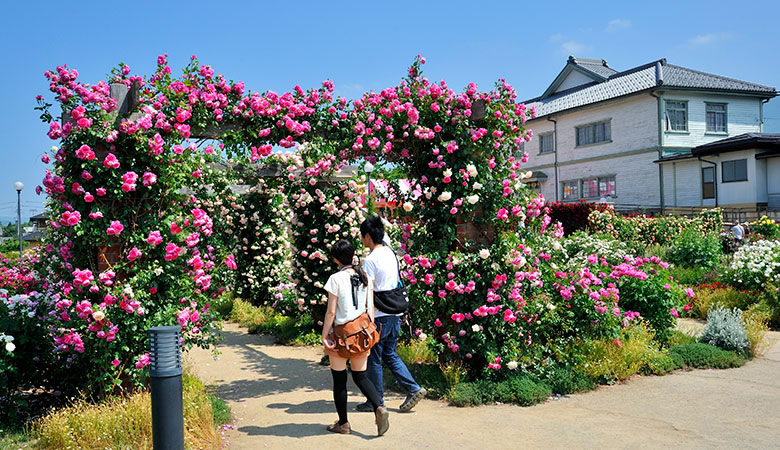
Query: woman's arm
(330, 316)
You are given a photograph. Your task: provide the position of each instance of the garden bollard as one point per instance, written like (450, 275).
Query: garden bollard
(165, 371)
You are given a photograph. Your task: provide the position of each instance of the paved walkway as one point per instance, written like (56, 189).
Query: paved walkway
(281, 398)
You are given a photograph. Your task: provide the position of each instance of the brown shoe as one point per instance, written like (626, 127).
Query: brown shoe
(341, 429)
(382, 420)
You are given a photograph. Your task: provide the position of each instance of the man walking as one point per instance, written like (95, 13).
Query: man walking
(382, 267)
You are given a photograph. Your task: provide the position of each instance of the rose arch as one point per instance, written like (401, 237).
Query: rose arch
(146, 229)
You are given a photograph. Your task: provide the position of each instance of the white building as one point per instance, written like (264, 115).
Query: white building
(628, 136)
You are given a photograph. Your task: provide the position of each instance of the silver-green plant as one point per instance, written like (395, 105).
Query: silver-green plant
(725, 329)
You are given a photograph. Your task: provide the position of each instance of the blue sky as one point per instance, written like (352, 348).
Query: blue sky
(361, 46)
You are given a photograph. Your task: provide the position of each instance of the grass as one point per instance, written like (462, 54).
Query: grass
(616, 360)
(756, 327)
(521, 390)
(416, 351)
(13, 439)
(125, 421)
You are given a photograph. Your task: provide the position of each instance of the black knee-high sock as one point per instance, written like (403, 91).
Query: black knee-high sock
(366, 387)
(340, 393)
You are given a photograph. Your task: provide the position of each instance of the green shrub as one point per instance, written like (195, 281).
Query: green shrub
(725, 329)
(691, 276)
(565, 380)
(429, 376)
(223, 305)
(662, 364)
(706, 356)
(471, 394)
(521, 389)
(769, 303)
(692, 248)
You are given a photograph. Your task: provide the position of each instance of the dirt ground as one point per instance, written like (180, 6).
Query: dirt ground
(281, 398)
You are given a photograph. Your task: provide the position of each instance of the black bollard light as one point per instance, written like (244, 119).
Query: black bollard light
(165, 371)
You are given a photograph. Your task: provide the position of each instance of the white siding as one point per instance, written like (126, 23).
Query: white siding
(634, 126)
(773, 176)
(574, 79)
(632, 186)
(739, 191)
(742, 113)
(682, 183)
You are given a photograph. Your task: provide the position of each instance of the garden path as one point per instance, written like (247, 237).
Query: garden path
(281, 398)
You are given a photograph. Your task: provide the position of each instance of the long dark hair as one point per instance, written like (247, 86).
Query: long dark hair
(344, 252)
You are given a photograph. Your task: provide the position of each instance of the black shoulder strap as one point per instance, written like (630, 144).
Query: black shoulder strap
(355, 282)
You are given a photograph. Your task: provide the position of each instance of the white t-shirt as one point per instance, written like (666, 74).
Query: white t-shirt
(382, 267)
(339, 284)
(738, 231)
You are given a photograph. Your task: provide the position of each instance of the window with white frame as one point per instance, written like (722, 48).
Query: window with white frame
(570, 191)
(547, 143)
(590, 188)
(598, 187)
(676, 115)
(734, 170)
(594, 133)
(716, 117)
(607, 187)
(707, 182)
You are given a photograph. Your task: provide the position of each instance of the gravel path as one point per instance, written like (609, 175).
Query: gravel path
(281, 398)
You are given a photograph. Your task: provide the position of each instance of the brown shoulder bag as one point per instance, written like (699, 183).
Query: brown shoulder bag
(358, 335)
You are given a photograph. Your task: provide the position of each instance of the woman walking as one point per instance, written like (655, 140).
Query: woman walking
(350, 296)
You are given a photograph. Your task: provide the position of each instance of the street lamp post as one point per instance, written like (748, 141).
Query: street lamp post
(369, 168)
(19, 186)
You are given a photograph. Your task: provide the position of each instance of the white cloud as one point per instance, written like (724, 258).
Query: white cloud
(572, 48)
(709, 38)
(557, 37)
(618, 24)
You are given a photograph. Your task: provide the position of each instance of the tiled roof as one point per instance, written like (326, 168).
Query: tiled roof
(739, 142)
(638, 79)
(597, 66)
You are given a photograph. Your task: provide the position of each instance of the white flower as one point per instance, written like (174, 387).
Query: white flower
(475, 328)
(98, 315)
(422, 336)
(511, 365)
(551, 307)
(407, 206)
(477, 186)
(444, 196)
(448, 173)
(472, 199)
(484, 253)
(472, 170)
(10, 347)
(158, 271)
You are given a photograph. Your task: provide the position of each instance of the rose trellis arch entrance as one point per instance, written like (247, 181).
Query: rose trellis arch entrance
(138, 232)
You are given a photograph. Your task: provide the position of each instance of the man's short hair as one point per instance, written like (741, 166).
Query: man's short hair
(373, 227)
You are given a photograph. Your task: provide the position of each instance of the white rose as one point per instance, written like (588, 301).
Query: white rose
(422, 336)
(10, 347)
(444, 196)
(98, 315)
(512, 365)
(484, 253)
(477, 186)
(475, 328)
(551, 307)
(472, 199)
(407, 206)
(472, 170)
(448, 173)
